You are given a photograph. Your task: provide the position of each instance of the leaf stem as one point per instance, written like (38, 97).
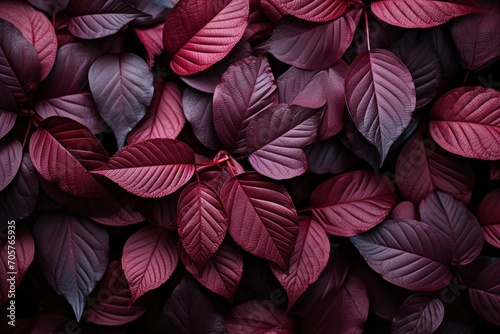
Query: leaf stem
(367, 27)
(231, 168)
(213, 163)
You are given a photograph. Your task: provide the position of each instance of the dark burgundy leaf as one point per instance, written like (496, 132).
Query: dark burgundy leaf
(7, 111)
(450, 327)
(456, 223)
(484, 293)
(466, 121)
(161, 211)
(122, 86)
(329, 156)
(489, 217)
(420, 313)
(195, 40)
(271, 10)
(359, 145)
(276, 137)
(73, 255)
(246, 89)
(11, 155)
(405, 210)
(155, 11)
(259, 26)
(151, 38)
(149, 259)
(446, 51)
(312, 10)
(51, 7)
(407, 253)
(494, 169)
(261, 217)
(352, 203)
(380, 97)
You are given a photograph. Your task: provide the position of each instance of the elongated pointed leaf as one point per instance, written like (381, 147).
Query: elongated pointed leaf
(466, 121)
(276, 137)
(261, 216)
(195, 40)
(151, 168)
(484, 293)
(73, 255)
(489, 217)
(11, 155)
(122, 86)
(352, 203)
(315, 10)
(380, 96)
(407, 253)
(420, 313)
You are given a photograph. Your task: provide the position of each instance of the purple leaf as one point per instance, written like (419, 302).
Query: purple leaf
(122, 86)
(7, 111)
(313, 10)
(489, 217)
(484, 293)
(359, 145)
(51, 7)
(329, 156)
(420, 313)
(11, 155)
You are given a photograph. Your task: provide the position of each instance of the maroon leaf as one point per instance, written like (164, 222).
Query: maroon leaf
(329, 156)
(161, 211)
(151, 38)
(489, 217)
(419, 13)
(359, 145)
(51, 7)
(122, 86)
(456, 223)
(380, 96)
(407, 253)
(352, 203)
(466, 121)
(261, 217)
(312, 10)
(151, 168)
(405, 210)
(446, 52)
(420, 313)
(424, 167)
(246, 89)
(11, 155)
(196, 40)
(276, 137)
(484, 293)
(73, 255)
(308, 260)
(149, 259)
(494, 169)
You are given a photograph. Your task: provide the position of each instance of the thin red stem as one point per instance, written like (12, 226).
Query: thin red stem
(213, 163)
(231, 168)
(367, 27)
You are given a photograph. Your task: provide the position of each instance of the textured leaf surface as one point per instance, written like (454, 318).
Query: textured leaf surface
(380, 97)
(352, 203)
(484, 293)
(315, 10)
(197, 39)
(73, 255)
(407, 253)
(466, 121)
(151, 168)
(489, 217)
(420, 313)
(11, 155)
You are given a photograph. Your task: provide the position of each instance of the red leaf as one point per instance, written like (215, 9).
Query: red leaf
(11, 155)
(419, 13)
(484, 293)
(308, 260)
(73, 255)
(151, 168)
(195, 40)
(420, 313)
(489, 217)
(380, 96)
(312, 10)
(63, 151)
(352, 203)
(149, 259)
(408, 253)
(201, 221)
(262, 217)
(221, 273)
(151, 38)
(466, 121)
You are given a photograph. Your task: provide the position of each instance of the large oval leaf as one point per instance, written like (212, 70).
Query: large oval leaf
(195, 40)
(420, 313)
(261, 217)
(466, 121)
(380, 96)
(489, 217)
(151, 168)
(484, 293)
(407, 253)
(312, 10)
(352, 203)
(11, 155)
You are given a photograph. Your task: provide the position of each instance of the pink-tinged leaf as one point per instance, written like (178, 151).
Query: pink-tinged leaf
(420, 13)
(151, 168)
(484, 293)
(420, 313)
(276, 137)
(261, 217)
(311, 46)
(188, 310)
(51, 7)
(345, 309)
(19, 242)
(405, 210)
(308, 260)
(149, 258)
(63, 151)
(20, 69)
(489, 217)
(329, 156)
(73, 255)
(36, 28)
(352, 203)
(494, 169)
(272, 11)
(312, 10)
(424, 167)
(151, 38)
(110, 302)
(161, 211)
(245, 89)
(11, 155)
(408, 253)
(380, 97)
(221, 273)
(466, 121)
(122, 86)
(99, 18)
(164, 118)
(194, 41)
(259, 317)
(259, 25)
(456, 223)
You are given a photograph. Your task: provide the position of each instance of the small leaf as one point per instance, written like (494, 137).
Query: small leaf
(489, 217)
(420, 313)
(11, 155)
